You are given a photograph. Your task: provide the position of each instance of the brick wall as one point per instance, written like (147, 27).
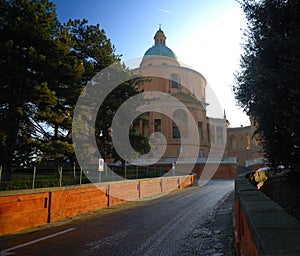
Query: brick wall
(244, 242)
(18, 212)
(221, 171)
(29, 208)
(71, 202)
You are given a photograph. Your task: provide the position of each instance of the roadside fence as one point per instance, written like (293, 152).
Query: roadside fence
(66, 175)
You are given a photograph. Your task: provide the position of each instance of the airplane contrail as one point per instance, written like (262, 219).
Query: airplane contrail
(163, 10)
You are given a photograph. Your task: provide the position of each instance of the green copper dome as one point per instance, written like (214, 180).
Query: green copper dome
(160, 50)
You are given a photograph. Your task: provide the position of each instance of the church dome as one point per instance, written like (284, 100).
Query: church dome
(159, 53)
(161, 50)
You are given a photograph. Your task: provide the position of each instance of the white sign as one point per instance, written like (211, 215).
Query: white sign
(173, 166)
(101, 165)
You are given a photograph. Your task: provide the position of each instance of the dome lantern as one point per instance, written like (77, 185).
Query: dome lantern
(160, 37)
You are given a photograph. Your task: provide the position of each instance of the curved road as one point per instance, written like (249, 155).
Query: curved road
(194, 221)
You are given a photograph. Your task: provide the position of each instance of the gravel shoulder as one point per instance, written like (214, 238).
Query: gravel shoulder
(219, 233)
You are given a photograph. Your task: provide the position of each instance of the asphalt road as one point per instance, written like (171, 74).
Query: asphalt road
(194, 221)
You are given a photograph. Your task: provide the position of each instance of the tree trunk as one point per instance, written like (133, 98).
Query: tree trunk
(9, 149)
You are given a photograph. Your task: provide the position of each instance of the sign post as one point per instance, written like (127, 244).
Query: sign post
(173, 167)
(100, 167)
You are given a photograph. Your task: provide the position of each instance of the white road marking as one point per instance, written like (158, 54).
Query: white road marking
(6, 251)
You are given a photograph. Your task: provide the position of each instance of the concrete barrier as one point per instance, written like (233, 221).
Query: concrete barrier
(23, 209)
(262, 226)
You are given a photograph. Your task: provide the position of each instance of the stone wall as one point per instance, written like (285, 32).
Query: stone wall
(262, 226)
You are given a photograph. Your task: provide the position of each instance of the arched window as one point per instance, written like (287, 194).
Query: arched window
(241, 142)
(175, 81)
(233, 142)
(220, 135)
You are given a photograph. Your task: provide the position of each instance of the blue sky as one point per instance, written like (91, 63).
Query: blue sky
(204, 34)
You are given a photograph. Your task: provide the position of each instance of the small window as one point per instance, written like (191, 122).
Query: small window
(208, 132)
(135, 125)
(157, 126)
(180, 117)
(174, 81)
(176, 132)
(212, 134)
(201, 152)
(200, 130)
(145, 124)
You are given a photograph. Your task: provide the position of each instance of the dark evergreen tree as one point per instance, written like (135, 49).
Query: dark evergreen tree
(87, 50)
(27, 52)
(268, 85)
(44, 66)
(94, 49)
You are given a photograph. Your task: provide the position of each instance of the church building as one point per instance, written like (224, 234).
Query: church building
(165, 75)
